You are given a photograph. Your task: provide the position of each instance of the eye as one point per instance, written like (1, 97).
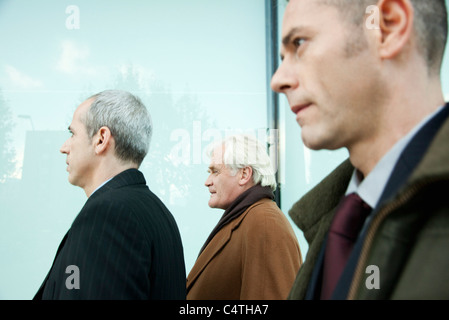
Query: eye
(298, 42)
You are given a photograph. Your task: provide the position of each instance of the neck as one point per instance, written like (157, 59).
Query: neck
(106, 172)
(398, 116)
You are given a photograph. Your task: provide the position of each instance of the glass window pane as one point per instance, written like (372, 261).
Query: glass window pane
(198, 65)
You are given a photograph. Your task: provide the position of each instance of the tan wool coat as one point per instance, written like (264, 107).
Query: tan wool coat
(254, 257)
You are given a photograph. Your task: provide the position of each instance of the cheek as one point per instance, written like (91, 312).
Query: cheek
(339, 89)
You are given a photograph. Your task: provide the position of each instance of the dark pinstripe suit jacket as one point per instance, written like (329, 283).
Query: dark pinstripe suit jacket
(126, 245)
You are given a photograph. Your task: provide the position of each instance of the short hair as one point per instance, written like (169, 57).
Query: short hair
(240, 151)
(127, 118)
(430, 25)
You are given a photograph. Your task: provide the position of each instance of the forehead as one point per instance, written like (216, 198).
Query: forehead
(81, 110)
(216, 159)
(308, 15)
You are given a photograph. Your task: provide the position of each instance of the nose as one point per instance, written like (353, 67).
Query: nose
(208, 181)
(65, 147)
(284, 79)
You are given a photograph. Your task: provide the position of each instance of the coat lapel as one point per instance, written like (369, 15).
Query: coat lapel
(220, 240)
(313, 214)
(217, 243)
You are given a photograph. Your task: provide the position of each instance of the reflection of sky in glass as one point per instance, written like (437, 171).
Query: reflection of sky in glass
(198, 65)
(197, 46)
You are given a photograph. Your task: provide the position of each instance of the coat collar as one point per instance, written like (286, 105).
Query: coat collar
(436, 161)
(124, 178)
(309, 211)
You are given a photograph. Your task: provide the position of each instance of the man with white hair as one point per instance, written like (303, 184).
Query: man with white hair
(252, 253)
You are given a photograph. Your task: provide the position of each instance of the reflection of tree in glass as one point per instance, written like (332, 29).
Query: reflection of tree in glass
(172, 180)
(7, 154)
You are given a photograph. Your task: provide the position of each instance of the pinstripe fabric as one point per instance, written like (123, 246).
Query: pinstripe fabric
(126, 245)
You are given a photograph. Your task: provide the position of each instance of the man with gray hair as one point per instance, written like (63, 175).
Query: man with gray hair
(124, 243)
(252, 253)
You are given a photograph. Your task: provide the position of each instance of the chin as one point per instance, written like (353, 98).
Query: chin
(211, 205)
(315, 143)
(312, 144)
(73, 181)
(216, 206)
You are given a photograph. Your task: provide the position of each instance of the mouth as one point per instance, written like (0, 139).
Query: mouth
(298, 108)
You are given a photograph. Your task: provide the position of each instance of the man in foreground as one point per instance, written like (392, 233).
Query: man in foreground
(367, 78)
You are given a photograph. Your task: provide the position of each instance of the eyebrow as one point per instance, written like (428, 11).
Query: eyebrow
(214, 167)
(288, 38)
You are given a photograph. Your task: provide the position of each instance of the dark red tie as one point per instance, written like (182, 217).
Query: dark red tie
(345, 228)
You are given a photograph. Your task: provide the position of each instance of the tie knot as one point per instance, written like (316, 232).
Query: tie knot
(350, 216)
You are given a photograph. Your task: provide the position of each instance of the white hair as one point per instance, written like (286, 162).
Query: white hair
(240, 151)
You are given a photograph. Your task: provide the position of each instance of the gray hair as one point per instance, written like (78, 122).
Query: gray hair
(127, 118)
(240, 151)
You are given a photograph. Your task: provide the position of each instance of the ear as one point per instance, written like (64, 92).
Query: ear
(102, 140)
(246, 176)
(396, 26)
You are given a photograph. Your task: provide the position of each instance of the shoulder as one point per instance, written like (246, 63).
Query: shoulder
(265, 227)
(263, 207)
(104, 212)
(127, 188)
(266, 217)
(124, 207)
(131, 198)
